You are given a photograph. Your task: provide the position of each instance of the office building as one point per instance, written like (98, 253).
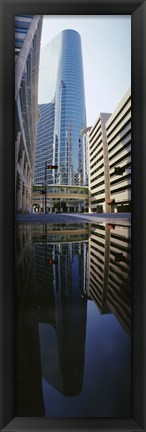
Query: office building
(60, 198)
(85, 160)
(99, 185)
(27, 48)
(118, 130)
(110, 160)
(61, 105)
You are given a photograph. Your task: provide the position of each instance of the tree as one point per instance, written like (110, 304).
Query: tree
(59, 204)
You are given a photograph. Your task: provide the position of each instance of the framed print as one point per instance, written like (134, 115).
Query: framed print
(79, 363)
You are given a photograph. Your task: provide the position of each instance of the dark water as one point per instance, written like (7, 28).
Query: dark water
(73, 326)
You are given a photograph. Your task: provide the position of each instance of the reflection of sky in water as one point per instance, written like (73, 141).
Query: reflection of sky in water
(75, 318)
(106, 372)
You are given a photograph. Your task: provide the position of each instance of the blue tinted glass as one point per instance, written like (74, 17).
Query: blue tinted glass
(62, 108)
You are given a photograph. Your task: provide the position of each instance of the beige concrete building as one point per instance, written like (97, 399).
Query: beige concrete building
(99, 186)
(118, 130)
(110, 160)
(27, 49)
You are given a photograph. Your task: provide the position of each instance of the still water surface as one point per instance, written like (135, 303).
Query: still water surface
(73, 320)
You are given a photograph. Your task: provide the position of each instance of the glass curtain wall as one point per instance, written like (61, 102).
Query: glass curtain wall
(62, 110)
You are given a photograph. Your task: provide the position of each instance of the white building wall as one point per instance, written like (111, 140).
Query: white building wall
(118, 130)
(99, 192)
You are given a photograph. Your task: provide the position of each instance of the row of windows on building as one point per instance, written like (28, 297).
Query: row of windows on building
(109, 156)
(27, 48)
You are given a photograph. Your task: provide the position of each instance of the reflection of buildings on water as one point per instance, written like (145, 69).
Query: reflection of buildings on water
(109, 271)
(60, 233)
(51, 315)
(119, 278)
(98, 265)
(28, 390)
(23, 250)
(57, 271)
(83, 269)
(62, 342)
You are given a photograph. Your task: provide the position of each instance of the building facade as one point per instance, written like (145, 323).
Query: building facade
(27, 48)
(61, 105)
(118, 131)
(85, 143)
(99, 186)
(60, 198)
(110, 160)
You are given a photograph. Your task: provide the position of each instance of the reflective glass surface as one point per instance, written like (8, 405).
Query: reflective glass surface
(62, 110)
(73, 327)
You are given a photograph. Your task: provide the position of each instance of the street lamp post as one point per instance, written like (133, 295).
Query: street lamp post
(45, 182)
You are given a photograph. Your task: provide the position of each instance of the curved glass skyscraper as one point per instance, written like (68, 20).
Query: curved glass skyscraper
(62, 111)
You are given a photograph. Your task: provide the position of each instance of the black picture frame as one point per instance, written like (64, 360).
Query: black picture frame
(8, 10)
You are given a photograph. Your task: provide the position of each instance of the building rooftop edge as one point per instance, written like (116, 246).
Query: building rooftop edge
(119, 106)
(62, 31)
(99, 118)
(85, 129)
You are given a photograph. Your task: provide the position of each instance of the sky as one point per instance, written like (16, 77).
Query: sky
(106, 49)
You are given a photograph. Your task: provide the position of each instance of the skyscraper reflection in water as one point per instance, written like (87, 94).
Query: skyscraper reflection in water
(63, 273)
(52, 313)
(62, 336)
